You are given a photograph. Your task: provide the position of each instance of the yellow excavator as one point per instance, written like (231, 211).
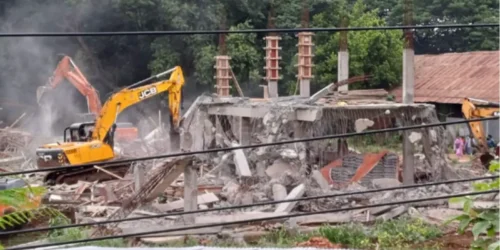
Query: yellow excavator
(92, 142)
(475, 108)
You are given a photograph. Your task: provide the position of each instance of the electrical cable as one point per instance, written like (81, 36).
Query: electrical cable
(215, 32)
(215, 150)
(32, 230)
(253, 220)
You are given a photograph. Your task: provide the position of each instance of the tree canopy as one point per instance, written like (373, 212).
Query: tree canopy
(111, 62)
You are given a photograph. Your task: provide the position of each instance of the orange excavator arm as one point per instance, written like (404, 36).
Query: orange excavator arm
(68, 69)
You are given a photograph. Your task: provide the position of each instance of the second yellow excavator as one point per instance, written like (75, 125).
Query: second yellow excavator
(92, 142)
(471, 111)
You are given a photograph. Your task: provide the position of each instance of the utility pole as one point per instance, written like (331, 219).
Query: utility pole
(408, 91)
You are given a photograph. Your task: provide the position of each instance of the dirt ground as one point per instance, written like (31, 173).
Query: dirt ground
(450, 241)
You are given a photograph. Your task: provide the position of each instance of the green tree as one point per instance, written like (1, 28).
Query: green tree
(427, 12)
(373, 53)
(245, 58)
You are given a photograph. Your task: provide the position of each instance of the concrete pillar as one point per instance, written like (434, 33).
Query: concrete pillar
(190, 193)
(222, 75)
(408, 75)
(305, 88)
(244, 131)
(272, 64)
(305, 65)
(139, 177)
(343, 69)
(408, 94)
(272, 88)
(175, 141)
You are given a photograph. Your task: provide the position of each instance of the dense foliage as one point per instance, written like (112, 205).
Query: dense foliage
(110, 62)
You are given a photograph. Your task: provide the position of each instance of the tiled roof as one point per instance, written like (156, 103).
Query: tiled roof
(450, 77)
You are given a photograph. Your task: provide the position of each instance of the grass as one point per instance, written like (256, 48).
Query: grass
(395, 234)
(374, 143)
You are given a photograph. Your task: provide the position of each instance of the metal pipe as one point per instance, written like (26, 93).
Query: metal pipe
(151, 78)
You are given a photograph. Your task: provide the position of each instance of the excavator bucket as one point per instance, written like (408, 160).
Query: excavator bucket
(40, 91)
(485, 159)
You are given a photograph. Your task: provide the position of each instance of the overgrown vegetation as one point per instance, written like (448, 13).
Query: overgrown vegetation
(481, 222)
(373, 143)
(388, 234)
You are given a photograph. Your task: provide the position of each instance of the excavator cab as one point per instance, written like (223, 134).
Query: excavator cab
(78, 132)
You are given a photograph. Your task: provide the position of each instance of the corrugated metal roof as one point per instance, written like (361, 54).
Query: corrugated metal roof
(450, 77)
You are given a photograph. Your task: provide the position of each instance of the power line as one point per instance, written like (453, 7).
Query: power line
(32, 230)
(215, 32)
(253, 220)
(215, 150)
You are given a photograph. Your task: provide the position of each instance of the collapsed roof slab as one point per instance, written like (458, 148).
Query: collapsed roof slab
(297, 108)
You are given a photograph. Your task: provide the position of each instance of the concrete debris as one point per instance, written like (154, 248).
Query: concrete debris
(362, 124)
(297, 192)
(385, 183)
(272, 173)
(415, 137)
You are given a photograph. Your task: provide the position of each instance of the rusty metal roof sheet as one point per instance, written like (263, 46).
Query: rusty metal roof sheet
(450, 77)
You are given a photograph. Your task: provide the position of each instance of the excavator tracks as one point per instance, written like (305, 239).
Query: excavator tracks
(89, 174)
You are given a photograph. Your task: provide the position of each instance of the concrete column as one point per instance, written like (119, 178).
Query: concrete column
(222, 75)
(305, 64)
(408, 94)
(343, 69)
(175, 141)
(305, 87)
(190, 193)
(139, 177)
(244, 131)
(272, 64)
(272, 88)
(408, 75)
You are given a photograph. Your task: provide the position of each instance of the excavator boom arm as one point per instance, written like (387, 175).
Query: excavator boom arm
(133, 95)
(68, 69)
(470, 111)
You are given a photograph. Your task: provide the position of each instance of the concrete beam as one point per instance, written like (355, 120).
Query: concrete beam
(296, 193)
(343, 69)
(190, 193)
(301, 114)
(231, 110)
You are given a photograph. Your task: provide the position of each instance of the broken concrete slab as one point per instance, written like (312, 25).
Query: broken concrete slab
(393, 213)
(176, 169)
(385, 183)
(241, 162)
(202, 199)
(380, 210)
(279, 192)
(163, 240)
(442, 214)
(415, 137)
(362, 124)
(477, 205)
(278, 168)
(322, 182)
(330, 218)
(208, 219)
(205, 230)
(297, 192)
